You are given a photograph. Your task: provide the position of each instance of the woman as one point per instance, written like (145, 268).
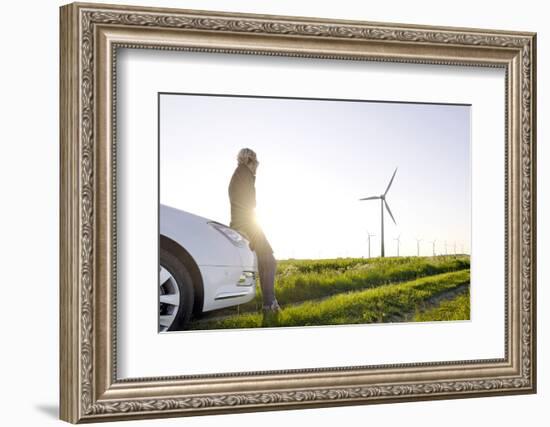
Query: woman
(242, 196)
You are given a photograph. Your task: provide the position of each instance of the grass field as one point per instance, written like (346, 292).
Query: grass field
(357, 290)
(457, 308)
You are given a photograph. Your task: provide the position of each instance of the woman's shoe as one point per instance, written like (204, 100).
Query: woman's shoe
(271, 314)
(274, 307)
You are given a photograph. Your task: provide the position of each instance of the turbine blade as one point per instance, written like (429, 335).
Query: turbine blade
(389, 211)
(370, 198)
(391, 180)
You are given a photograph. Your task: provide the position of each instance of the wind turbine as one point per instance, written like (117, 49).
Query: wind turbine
(369, 236)
(455, 248)
(446, 253)
(398, 238)
(383, 203)
(433, 247)
(418, 246)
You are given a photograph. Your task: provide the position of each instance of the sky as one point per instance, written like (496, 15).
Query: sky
(317, 159)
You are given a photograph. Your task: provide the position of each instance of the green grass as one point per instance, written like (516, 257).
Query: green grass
(318, 265)
(381, 304)
(455, 309)
(302, 280)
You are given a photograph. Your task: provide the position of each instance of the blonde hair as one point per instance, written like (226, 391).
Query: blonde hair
(245, 156)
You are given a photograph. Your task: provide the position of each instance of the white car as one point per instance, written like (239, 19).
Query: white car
(204, 265)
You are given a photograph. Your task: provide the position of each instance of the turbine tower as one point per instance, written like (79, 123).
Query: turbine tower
(369, 236)
(383, 203)
(418, 246)
(433, 247)
(398, 238)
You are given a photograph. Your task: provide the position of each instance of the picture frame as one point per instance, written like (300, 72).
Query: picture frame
(91, 36)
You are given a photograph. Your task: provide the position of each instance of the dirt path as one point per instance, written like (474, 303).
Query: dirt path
(431, 302)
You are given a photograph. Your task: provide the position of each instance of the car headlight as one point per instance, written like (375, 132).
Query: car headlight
(232, 235)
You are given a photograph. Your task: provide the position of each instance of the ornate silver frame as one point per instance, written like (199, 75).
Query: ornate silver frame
(90, 35)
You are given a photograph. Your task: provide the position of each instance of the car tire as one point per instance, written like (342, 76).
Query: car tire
(177, 289)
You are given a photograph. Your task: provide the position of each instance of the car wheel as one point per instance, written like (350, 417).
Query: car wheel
(176, 293)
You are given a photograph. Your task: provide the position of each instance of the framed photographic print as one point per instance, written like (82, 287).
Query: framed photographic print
(268, 212)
